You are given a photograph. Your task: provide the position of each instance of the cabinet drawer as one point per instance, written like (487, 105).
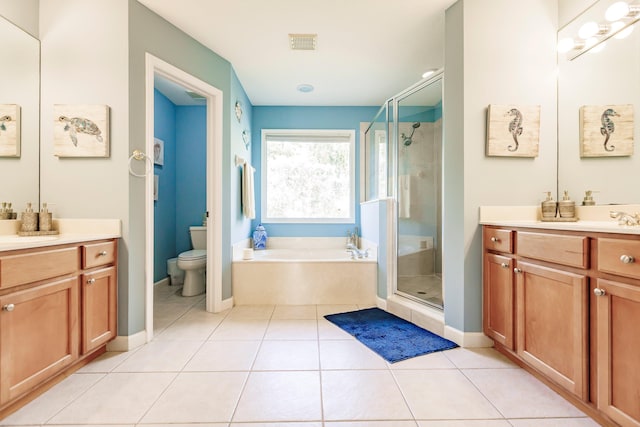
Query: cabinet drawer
(557, 248)
(619, 256)
(498, 240)
(98, 254)
(31, 267)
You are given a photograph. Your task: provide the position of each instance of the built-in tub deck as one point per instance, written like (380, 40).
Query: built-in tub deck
(301, 272)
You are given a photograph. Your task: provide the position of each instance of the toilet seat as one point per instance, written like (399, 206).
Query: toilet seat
(193, 255)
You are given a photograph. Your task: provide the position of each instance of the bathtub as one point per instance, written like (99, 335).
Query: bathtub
(295, 271)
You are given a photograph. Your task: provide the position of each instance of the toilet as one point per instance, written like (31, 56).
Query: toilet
(194, 263)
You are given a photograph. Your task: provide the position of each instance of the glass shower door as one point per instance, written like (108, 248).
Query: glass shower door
(418, 190)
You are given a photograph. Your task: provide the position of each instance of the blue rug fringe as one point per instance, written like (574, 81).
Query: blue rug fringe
(391, 337)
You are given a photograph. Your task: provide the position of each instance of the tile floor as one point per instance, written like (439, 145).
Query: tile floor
(286, 366)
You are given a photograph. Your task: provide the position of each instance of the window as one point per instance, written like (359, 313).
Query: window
(308, 176)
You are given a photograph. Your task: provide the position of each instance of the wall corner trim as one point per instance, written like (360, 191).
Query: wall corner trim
(126, 343)
(467, 339)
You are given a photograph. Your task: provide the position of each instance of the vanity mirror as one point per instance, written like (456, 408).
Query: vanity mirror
(20, 86)
(606, 75)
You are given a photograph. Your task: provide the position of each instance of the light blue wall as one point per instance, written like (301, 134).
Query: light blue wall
(191, 166)
(307, 118)
(164, 213)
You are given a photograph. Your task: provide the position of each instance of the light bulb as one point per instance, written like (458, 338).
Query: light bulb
(588, 30)
(590, 42)
(617, 26)
(598, 48)
(565, 45)
(427, 73)
(624, 33)
(616, 11)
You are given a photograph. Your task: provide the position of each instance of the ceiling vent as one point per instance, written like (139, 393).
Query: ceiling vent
(194, 95)
(303, 41)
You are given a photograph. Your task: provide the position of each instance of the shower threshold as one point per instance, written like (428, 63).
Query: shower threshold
(425, 289)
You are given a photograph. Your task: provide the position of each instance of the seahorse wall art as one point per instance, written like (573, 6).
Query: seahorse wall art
(513, 131)
(81, 131)
(9, 130)
(606, 130)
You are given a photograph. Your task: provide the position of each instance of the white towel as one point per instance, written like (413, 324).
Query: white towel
(248, 194)
(404, 196)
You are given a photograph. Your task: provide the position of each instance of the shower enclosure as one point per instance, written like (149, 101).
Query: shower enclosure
(403, 161)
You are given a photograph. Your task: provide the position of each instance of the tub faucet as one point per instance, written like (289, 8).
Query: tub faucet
(357, 253)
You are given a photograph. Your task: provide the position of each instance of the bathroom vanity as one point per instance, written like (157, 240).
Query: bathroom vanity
(563, 300)
(58, 308)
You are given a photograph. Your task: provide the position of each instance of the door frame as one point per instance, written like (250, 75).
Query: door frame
(214, 120)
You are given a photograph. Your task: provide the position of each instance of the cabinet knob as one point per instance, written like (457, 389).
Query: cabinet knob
(103, 253)
(8, 307)
(599, 292)
(91, 281)
(627, 259)
(495, 239)
(504, 265)
(517, 270)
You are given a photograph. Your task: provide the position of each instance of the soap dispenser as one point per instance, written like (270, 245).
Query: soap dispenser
(566, 206)
(588, 199)
(549, 207)
(45, 218)
(29, 220)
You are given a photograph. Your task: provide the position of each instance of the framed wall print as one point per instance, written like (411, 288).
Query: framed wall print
(158, 151)
(513, 131)
(606, 130)
(9, 130)
(81, 130)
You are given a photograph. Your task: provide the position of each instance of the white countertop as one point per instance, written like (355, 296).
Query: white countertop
(591, 218)
(70, 231)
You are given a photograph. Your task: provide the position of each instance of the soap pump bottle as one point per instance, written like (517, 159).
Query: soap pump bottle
(549, 207)
(29, 220)
(566, 206)
(588, 199)
(45, 218)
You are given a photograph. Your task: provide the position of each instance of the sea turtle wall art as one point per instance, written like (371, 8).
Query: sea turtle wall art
(81, 130)
(513, 131)
(9, 130)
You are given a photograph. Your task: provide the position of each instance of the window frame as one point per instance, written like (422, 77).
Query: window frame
(309, 134)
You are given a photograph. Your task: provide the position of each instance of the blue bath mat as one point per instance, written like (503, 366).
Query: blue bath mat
(391, 337)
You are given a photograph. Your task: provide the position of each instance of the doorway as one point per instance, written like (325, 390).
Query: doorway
(156, 67)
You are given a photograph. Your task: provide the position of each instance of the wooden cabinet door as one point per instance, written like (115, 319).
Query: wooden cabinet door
(38, 335)
(99, 308)
(618, 351)
(552, 324)
(498, 300)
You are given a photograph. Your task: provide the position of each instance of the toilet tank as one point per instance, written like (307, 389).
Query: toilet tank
(198, 237)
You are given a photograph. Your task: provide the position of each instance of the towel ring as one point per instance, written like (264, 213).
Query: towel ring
(139, 155)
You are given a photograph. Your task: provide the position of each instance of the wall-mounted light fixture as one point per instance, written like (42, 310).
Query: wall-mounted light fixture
(619, 18)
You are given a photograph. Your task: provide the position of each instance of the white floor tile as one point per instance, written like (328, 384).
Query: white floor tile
(216, 356)
(323, 310)
(198, 398)
(160, 356)
(395, 423)
(194, 325)
(251, 312)
(240, 329)
(182, 425)
(362, 395)
(478, 358)
(435, 360)
(288, 424)
(329, 331)
(350, 354)
(287, 356)
(295, 312)
(465, 423)
(280, 396)
(292, 330)
(554, 422)
(443, 394)
(53, 400)
(533, 399)
(106, 362)
(116, 399)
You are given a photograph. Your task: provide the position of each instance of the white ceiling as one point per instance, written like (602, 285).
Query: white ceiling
(367, 50)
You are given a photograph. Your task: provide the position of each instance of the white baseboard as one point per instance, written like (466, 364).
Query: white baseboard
(467, 339)
(226, 304)
(129, 342)
(381, 303)
(164, 281)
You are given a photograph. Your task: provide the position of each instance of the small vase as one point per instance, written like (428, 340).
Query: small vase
(260, 238)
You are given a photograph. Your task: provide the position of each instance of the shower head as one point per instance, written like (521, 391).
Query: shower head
(406, 140)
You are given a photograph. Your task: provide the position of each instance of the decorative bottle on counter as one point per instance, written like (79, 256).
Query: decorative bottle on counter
(566, 206)
(45, 218)
(260, 238)
(29, 219)
(549, 207)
